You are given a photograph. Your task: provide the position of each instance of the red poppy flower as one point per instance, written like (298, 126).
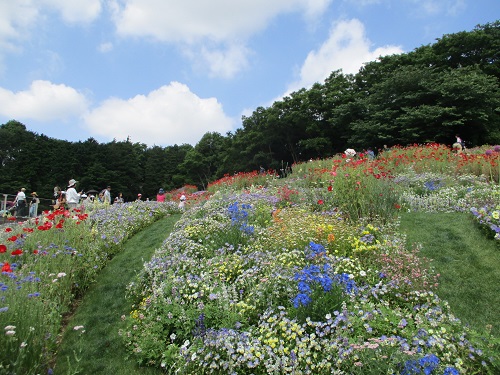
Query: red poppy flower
(6, 267)
(28, 230)
(8, 230)
(17, 252)
(3, 248)
(330, 188)
(320, 201)
(397, 206)
(35, 251)
(12, 239)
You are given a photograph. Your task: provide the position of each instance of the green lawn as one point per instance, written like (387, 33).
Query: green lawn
(468, 262)
(100, 350)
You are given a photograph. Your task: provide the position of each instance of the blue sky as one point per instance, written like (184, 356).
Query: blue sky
(165, 72)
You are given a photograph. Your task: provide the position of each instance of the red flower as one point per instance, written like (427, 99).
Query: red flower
(6, 267)
(320, 201)
(11, 218)
(330, 188)
(3, 248)
(17, 252)
(397, 206)
(8, 230)
(12, 239)
(35, 251)
(28, 230)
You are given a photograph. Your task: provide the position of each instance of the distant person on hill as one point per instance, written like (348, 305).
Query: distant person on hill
(459, 144)
(370, 153)
(182, 201)
(160, 197)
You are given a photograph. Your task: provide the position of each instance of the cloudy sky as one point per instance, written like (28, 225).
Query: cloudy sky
(165, 72)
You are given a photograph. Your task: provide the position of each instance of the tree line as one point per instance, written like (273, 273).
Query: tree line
(427, 95)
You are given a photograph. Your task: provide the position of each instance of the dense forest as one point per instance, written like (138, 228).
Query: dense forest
(427, 95)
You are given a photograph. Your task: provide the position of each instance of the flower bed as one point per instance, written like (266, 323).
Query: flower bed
(47, 263)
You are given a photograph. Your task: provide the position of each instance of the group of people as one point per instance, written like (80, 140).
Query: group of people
(22, 208)
(71, 199)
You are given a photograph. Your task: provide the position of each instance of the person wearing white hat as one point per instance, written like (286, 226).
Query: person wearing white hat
(72, 197)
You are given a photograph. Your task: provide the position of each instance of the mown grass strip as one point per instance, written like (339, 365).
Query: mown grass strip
(100, 350)
(468, 262)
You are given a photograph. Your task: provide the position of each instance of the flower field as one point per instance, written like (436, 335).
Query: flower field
(49, 262)
(310, 275)
(307, 274)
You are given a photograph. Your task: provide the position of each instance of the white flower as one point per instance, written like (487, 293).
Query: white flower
(61, 274)
(24, 344)
(77, 328)
(10, 333)
(10, 328)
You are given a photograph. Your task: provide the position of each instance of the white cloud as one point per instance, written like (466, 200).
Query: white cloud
(224, 24)
(169, 115)
(105, 47)
(346, 48)
(16, 17)
(19, 18)
(218, 20)
(43, 101)
(75, 11)
(224, 63)
(439, 7)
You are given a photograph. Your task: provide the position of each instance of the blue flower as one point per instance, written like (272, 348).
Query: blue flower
(450, 371)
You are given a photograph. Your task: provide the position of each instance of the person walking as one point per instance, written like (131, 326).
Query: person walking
(34, 204)
(72, 197)
(182, 201)
(160, 197)
(107, 195)
(20, 203)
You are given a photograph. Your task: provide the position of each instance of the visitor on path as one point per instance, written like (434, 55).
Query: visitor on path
(139, 197)
(72, 197)
(107, 195)
(182, 201)
(459, 145)
(119, 198)
(60, 200)
(20, 203)
(160, 197)
(35, 201)
(370, 153)
(57, 193)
